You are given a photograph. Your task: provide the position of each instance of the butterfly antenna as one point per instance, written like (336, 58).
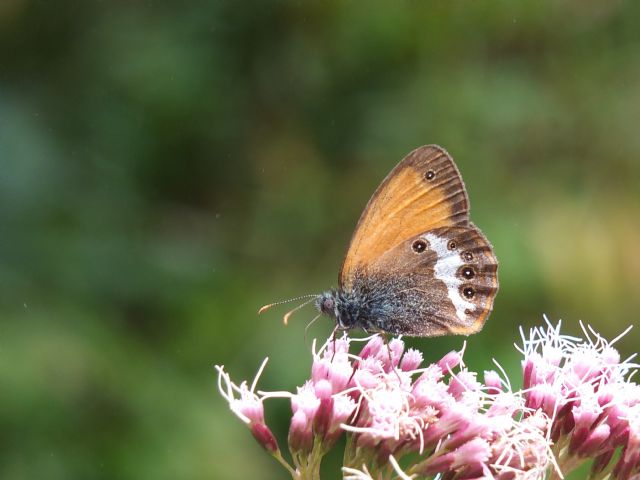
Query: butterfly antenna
(285, 319)
(264, 308)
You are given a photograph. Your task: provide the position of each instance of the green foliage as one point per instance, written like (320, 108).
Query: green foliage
(167, 168)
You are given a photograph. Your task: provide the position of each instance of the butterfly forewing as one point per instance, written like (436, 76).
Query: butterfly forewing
(422, 193)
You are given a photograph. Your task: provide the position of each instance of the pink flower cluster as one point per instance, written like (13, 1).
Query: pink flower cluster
(391, 407)
(586, 391)
(407, 420)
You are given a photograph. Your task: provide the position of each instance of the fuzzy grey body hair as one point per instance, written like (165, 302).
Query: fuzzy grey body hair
(377, 303)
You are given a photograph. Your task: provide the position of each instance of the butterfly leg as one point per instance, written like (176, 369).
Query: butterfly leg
(395, 370)
(334, 336)
(355, 369)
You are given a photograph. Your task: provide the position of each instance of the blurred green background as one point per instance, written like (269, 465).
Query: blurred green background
(168, 167)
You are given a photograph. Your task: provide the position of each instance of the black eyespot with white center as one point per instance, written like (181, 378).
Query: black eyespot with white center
(467, 256)
(430, 175)
(467, 272)
(468, 292)
(452, 245)
(419, 246)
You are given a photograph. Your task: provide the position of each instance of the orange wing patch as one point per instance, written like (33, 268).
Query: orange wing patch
(424, 191)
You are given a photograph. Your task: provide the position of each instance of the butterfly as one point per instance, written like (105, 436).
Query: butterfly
(415, 265)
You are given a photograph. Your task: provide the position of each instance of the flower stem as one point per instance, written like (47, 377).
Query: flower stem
(278, 456)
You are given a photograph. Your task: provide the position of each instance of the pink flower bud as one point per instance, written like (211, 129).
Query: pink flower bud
(396, 349)
(605, 396)
(364, 379)
(616, 419)
(372, 348)
(534, 397)
(320, 369)
(343, 408)
(264, 437)
(339, 375)
(411, 360)
(528, 373)
(552, 355)
(300, 433)
(450, 361)
(252, 409)
(584, 366)
(323, 389)
(610, 356)
(336, 346)
(463, 382)
(504, 403)
(306, 400)
(478, 426)
(492, 381)
(456, 417)
(323, 417)
(550, 401)
(433, 373)
(594, 441)
(431, 393)
(474, 453)
(583, 418)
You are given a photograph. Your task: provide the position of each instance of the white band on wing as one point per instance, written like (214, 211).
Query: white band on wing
(445, 270)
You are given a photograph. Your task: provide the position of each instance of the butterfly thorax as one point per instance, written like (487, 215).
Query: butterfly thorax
(347, 309)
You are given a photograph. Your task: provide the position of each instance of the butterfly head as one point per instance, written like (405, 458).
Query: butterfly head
(334, 304)
(327, 303)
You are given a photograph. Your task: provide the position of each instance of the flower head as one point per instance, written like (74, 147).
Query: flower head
(584, 388)
(248, 406)
(441, 420)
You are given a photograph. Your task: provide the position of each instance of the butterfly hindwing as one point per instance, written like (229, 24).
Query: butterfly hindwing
(439, 282)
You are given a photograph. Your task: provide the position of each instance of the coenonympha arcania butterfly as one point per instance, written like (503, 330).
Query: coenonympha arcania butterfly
(416, 265)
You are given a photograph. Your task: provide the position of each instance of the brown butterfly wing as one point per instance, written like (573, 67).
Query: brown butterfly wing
(440, 282)
(423, 192)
